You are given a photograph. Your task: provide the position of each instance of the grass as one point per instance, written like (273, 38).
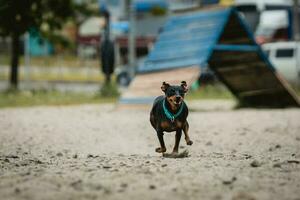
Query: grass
(297, 90)
(53, 60)
(109, 90)
(74, 69)
(210, 92)
(17, 98)
(70, 77)
(53, 97)
(66, 77)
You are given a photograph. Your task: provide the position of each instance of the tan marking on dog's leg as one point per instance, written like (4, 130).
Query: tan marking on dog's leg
(162, 147)
(177, 140)
(186, 134)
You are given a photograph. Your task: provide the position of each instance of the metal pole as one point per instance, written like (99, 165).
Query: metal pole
(131, 39)
(117, 54)
(296, 21)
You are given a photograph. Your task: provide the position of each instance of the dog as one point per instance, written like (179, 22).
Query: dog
(169, 113)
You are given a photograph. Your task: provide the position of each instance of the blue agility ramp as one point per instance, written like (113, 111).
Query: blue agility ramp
(221, 40)
(186, 40)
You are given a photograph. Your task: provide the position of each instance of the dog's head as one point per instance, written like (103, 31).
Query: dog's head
(174, 93)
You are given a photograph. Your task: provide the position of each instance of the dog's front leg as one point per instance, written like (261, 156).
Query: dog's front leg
(177, 141)
(162, 147)
(186, 134)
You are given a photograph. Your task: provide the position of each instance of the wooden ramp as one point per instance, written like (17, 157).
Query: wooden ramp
(249, 78)
(146, 87)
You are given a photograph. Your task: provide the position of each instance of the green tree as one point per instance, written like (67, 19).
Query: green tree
(45, 16)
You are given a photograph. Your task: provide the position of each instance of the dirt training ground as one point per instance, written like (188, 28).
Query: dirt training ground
(98, 152)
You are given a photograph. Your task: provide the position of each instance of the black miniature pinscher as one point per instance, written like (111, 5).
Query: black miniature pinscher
(169, 113)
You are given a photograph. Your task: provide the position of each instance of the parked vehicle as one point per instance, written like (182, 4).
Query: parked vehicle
(273, 25)
(285, 56)
(270, 19)
(250, 10)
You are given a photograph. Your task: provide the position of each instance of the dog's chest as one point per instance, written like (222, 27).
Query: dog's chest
(171, 126)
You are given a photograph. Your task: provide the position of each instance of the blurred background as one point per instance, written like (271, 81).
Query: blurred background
(59, 47)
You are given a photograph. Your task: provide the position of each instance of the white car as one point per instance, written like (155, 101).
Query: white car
(273, 25)
(285, 56)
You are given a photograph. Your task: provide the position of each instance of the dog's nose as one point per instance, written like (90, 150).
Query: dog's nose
(178, 98)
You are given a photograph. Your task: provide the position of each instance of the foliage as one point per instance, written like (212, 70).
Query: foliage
(158, 11)
(40, 16)
(44, 16)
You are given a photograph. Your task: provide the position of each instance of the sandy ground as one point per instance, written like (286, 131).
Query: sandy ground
(98, 152)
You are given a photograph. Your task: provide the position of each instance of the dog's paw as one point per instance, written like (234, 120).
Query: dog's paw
(160, 150)
(190, 142)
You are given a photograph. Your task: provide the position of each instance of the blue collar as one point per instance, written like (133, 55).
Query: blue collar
(170, 115)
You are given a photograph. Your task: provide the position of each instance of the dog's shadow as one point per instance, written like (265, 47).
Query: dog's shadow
(183, 154)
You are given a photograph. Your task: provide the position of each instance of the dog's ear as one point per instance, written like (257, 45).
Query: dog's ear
(165, 86)
(184, 86)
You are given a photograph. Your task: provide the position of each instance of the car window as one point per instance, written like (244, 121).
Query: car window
(246, 8)
(285, 53)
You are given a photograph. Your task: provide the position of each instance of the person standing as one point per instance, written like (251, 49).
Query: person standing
(107, 49)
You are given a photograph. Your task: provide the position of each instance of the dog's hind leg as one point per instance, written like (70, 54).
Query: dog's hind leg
(162, 147)
(186, 134)
(177, 140)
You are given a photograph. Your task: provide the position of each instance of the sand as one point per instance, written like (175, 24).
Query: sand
(100, 152)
